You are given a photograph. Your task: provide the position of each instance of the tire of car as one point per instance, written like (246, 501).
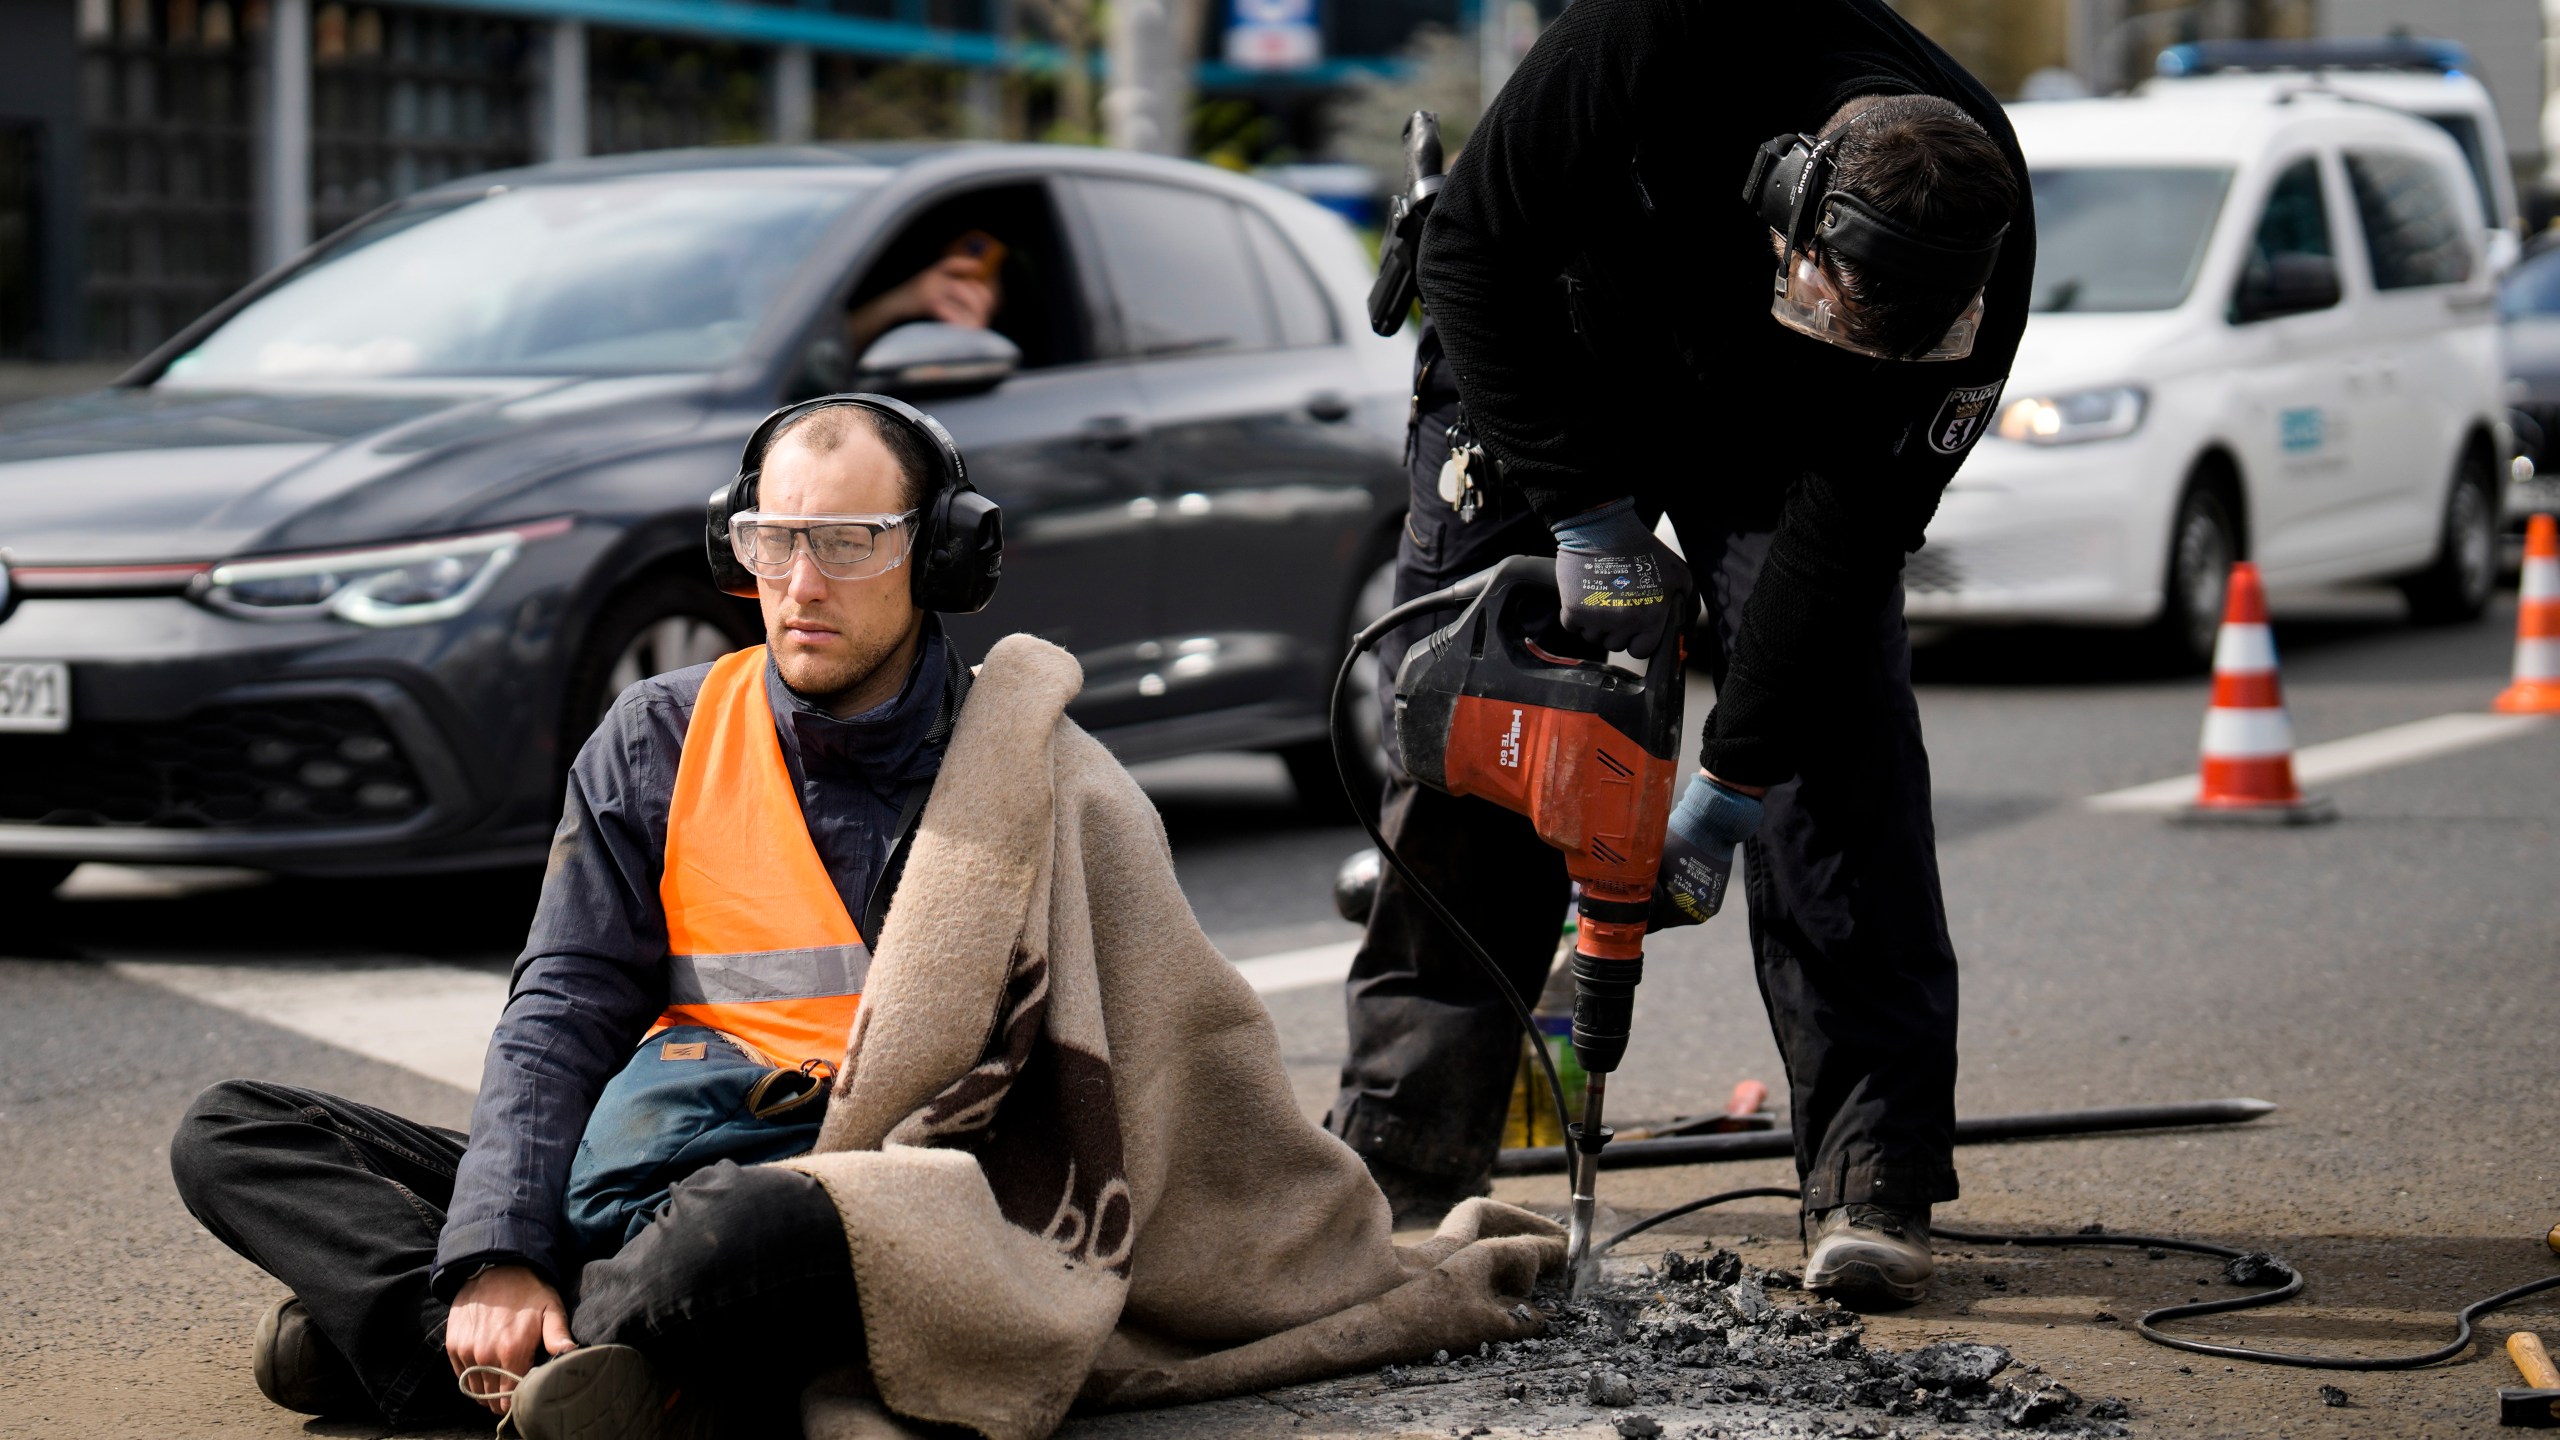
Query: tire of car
(2454, 589)
(2204, 540)
(660, 623)
(1312, 771)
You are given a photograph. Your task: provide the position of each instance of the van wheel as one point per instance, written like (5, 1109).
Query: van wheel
(2454, 588)
(663, 623)
(2203, 543)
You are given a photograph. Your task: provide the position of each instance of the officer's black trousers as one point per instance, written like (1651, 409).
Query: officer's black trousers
(742, 1286)
(1848, 929)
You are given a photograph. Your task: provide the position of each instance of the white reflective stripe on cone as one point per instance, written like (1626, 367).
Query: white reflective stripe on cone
(2541, 580)
(2244, 649)
(2247, 734)
(2538, 659)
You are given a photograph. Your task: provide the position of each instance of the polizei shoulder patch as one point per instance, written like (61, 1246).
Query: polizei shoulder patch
(1961, 417)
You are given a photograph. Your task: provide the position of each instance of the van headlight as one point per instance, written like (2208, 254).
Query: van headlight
(2070, 419)
(409, 584)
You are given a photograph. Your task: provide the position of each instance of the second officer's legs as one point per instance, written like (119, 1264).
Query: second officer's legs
(1848, 928)
(1433, 1047)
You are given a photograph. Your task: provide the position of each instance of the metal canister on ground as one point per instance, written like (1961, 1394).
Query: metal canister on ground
(1532, 1118)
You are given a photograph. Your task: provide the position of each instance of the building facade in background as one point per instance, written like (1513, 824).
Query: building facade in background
(157, 154)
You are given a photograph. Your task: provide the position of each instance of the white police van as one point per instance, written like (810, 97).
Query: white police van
(2435, 80)
(2263, 328)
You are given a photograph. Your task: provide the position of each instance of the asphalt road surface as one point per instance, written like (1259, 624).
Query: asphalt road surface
(2387, 980)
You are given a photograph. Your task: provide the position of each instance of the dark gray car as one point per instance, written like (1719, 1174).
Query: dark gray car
(2529, 332)
(337, 579)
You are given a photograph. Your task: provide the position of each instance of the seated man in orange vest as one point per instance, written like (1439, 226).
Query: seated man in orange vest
(685, 894)
(1062, 1161)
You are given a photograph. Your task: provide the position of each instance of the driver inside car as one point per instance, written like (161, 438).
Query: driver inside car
(965, 288)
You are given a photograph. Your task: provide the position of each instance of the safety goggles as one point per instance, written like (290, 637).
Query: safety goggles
(844, 547)
(1807, 300)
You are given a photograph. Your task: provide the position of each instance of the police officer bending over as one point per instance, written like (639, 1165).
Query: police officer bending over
(1642, 304)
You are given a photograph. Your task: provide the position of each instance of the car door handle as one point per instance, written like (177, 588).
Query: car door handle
(1108, 432)
(1328, 407)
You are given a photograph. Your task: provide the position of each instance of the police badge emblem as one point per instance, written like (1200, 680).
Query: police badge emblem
(1961, 417)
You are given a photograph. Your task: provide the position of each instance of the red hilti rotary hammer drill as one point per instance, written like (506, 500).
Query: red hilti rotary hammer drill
(1505, 704)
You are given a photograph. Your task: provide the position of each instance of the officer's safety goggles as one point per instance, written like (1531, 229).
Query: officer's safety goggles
(1807, 300)
(844, 547)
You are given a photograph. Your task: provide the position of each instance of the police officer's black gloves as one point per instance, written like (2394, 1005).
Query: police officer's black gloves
(1622, 588)
(1697, 854)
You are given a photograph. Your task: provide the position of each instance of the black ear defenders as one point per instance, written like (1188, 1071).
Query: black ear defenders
(958, 551)
(1790, 187)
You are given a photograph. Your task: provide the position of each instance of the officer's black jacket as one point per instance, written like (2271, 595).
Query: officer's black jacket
(1603, 293)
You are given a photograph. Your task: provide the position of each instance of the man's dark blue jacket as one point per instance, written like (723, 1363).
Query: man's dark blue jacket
(593, 973)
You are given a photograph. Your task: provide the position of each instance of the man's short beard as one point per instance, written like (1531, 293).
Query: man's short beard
(823, 679)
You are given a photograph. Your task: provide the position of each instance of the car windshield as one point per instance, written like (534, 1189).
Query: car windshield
(615, 276)
(2532, 288)
(2122, 237)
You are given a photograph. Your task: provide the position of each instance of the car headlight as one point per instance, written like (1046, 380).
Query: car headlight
(2070, 419)
(381, 585)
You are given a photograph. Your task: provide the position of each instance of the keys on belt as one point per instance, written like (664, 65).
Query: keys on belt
(1465, 473)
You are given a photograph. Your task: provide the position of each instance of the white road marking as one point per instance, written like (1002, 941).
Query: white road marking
(2340, 759)
(1299, 969)
(428, 1018)
(435, 1019)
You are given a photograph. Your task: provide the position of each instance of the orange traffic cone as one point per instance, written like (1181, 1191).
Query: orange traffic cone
(2247, 771)
(2536, 690)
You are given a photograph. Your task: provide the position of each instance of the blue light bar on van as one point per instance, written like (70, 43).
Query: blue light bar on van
(2392, 52)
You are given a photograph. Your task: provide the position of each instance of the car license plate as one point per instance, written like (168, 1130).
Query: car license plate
(35, 695)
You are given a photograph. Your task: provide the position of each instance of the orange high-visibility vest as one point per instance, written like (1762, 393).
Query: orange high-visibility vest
(759, 944)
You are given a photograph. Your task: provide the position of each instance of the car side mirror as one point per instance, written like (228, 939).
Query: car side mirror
(928, 358)
(2289, 284)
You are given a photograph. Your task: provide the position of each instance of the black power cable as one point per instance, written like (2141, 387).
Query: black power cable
(2266, 1265)
(2148, 1325)
(1361, 644)
(2151, 1320)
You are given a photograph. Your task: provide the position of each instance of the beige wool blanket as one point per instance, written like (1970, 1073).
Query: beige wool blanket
(1066, 1154)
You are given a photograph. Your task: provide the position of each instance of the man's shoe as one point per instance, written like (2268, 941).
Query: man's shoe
(601, 1392)
(297, 1367)
(1872, 1254)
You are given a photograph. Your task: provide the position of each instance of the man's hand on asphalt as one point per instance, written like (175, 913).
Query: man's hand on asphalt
(1697, 854)
(1622, 588)
(509, 1317)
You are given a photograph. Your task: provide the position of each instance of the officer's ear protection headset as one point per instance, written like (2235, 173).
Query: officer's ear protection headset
(957, 554)
(1790, 188)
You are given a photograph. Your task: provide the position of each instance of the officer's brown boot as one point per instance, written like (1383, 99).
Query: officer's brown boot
(1871, 1255)
(297, 1368)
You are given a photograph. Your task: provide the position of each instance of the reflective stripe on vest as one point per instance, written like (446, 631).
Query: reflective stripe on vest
(759, 943)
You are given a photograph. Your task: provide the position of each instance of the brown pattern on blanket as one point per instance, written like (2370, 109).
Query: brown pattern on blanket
(1040, 1117)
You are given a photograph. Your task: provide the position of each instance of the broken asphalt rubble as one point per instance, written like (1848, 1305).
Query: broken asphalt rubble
(1696, 1348)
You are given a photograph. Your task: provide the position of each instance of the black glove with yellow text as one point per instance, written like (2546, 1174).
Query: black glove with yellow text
(1622, 588)
(1697, 853)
